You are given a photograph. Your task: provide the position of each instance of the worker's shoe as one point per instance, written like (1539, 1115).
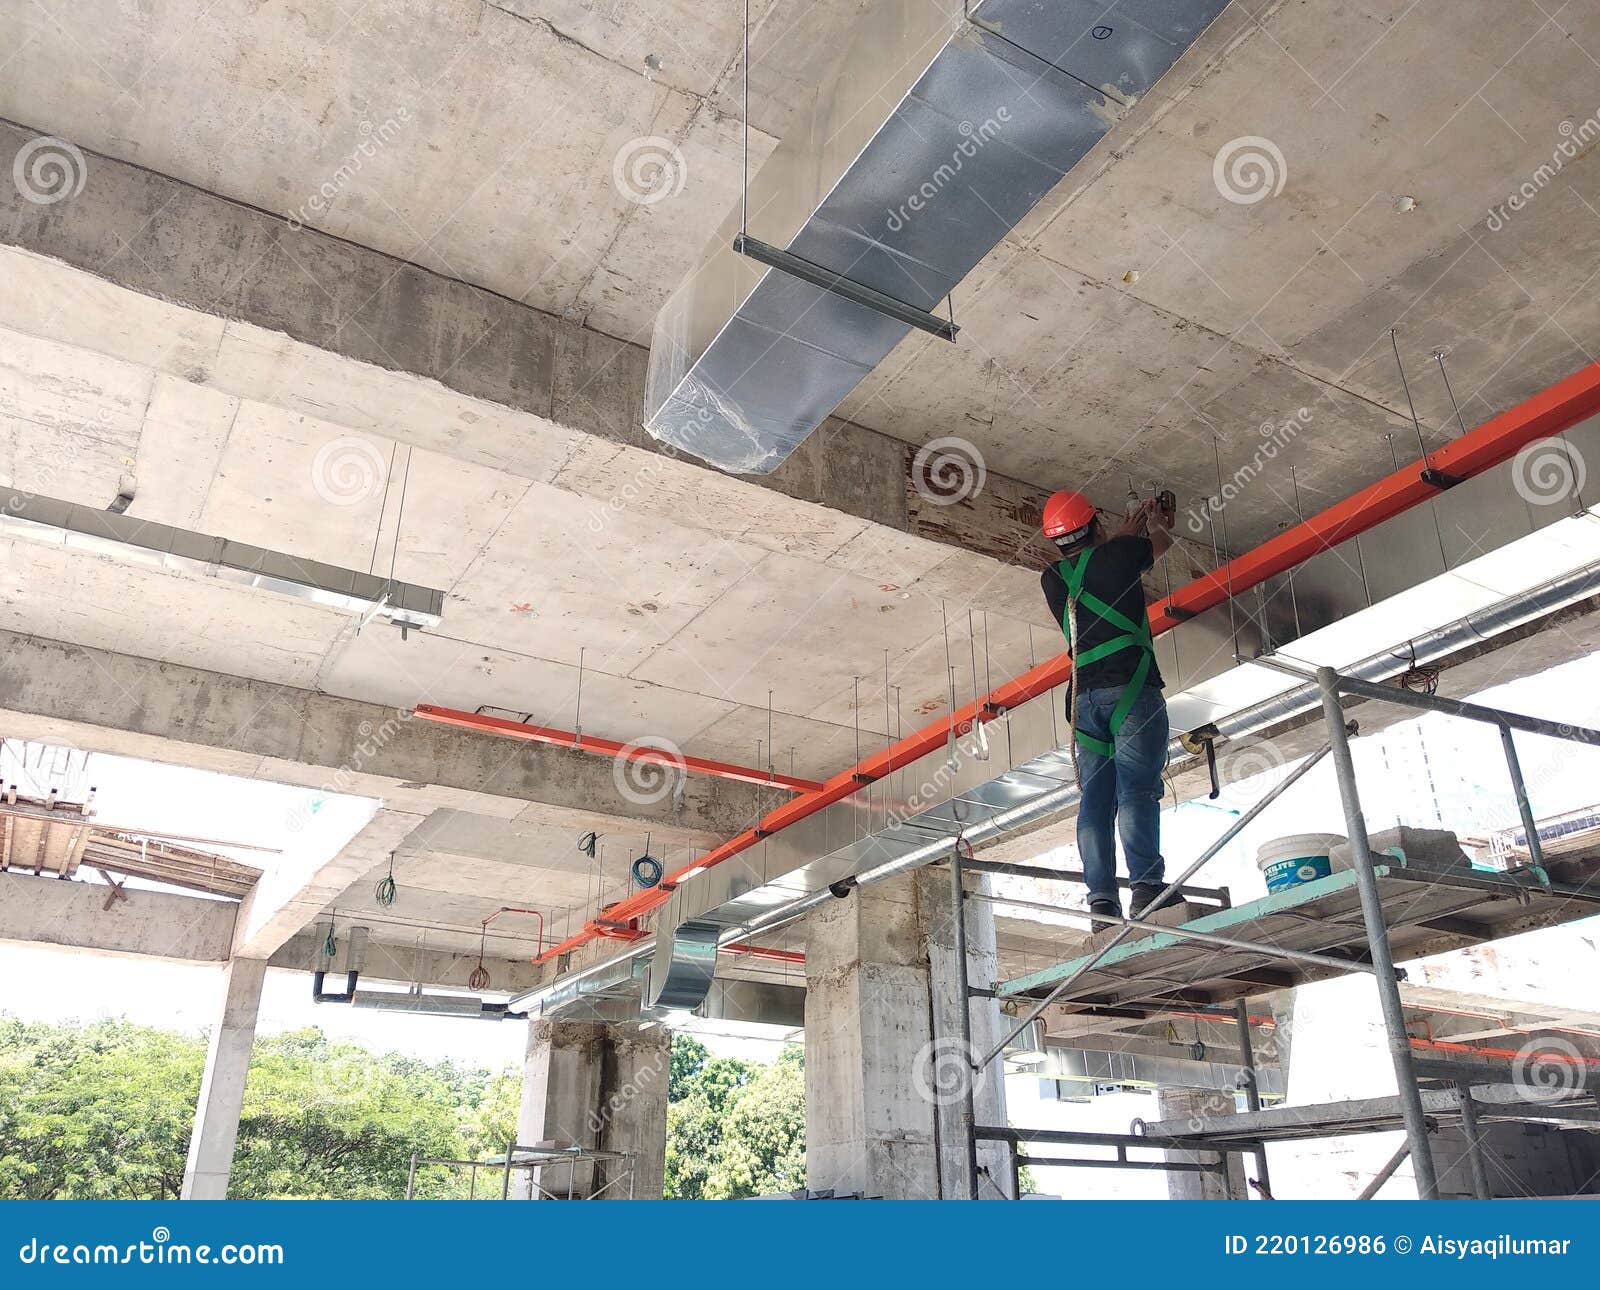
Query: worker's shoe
(1145, 895)
(1111, 908)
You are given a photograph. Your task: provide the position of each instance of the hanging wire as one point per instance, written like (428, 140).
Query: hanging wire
(383, 508)
(387, 890)
(1417, 678)
(479, 979)
(399, 517)
(1439, 355)
(329, 945)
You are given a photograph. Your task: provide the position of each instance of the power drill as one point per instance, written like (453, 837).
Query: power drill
(1167, 505)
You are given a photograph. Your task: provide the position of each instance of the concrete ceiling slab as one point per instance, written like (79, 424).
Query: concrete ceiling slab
(437, 668)
(66, 427)
(799, 631)
(1066, 371)
(111, 604)
(341, 498)
(619, 589)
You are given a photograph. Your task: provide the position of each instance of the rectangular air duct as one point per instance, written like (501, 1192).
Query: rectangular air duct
(943, 125)
(52, 522)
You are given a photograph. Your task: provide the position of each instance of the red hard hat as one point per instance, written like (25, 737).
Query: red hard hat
(1067, 512)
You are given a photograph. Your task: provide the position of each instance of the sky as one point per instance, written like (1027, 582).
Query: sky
(1432, 772)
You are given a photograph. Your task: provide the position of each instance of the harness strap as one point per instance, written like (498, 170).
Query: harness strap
(1133, 636)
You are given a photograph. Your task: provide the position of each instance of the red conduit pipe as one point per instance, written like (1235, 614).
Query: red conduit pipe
(1500, 1016)
(1547, 413)
(1512, 1054)
(610, 748)
(742, 950)
(509, 909)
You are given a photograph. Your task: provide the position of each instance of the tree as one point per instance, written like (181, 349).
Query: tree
(735, 1128)
(104, 1111)
(100, 1113)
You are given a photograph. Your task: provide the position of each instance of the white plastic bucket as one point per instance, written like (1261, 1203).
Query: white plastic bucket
(1298, 858)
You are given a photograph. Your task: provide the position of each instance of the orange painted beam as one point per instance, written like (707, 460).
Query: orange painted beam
(644, 753)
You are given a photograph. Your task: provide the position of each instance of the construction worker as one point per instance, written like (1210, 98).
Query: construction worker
(1117, 711)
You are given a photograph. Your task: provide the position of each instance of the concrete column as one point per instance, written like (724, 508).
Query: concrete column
(1201, 1104)
(884, 1065)
(216, 1118)
(632, 1115)
(937, 917)
(600, 1087)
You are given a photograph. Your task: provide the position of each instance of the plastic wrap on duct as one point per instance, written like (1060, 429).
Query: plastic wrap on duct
(936, 135)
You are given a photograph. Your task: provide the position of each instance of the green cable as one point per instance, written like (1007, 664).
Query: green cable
(387, 890)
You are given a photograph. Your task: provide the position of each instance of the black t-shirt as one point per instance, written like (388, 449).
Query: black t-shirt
(1112, 575)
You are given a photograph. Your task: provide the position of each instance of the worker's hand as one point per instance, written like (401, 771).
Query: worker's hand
(1139, 521)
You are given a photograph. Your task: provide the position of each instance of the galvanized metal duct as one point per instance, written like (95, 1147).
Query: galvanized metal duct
(52, 522)
(939, 131)
(1475, 561)
(1091, 1067)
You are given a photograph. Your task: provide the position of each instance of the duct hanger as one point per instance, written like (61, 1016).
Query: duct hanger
(815, 274)
(1436, 478)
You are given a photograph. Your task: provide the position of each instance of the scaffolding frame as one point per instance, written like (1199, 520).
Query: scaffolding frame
(1380, 961)
(532, 1160)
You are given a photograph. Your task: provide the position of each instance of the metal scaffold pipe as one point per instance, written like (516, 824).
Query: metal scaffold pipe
(1205, 858)
(969, 1119)
(1467, 711)
(1394, 1020)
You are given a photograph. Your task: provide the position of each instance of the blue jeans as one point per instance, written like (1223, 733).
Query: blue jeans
(1122, 793)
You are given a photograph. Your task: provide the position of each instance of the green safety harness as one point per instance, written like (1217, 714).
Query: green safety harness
(1134, 635)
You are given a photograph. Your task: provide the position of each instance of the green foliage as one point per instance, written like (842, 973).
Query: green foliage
(100, 1113)
(104, 1111)
(734, 1128)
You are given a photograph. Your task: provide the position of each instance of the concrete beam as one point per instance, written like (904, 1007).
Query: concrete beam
(117, 703)
(289, 895)
(84, 916)
(411, 965)
(270, 279)
(216, 1117)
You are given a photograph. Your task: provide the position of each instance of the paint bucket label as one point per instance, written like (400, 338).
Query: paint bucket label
(1292, 872)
